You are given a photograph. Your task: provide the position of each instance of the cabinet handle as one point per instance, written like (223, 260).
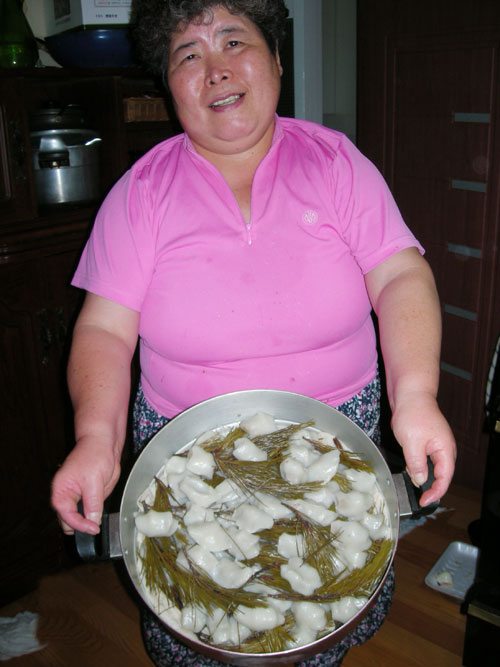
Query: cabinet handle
(45, 335)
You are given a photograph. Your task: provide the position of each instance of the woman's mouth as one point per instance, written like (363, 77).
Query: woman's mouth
(231, 99)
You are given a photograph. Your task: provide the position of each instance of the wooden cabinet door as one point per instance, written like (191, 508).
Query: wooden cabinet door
(37, 310)
(428, 117)
(29, 535)
(64, 303)
(17, 198)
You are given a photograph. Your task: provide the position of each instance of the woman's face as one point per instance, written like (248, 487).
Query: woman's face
(225, 83)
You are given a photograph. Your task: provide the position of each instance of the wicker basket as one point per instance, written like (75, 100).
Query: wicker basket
(141, 109)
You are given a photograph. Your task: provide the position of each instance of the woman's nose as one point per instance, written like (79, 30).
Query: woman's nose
(217, 71)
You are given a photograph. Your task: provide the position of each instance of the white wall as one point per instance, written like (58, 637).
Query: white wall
(34, 10)
(325, 62)
(35, 13)
(339, 65)
(308, 81)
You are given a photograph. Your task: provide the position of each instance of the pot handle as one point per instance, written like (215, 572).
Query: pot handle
(104, 545)
(409, 495)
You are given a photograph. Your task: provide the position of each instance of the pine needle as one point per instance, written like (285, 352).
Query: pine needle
(320, 549)
(163, 575)
(355, 461)
(163, 498)
(275, 443)
(320, 553)
(219, 444)
(252, 476)
(361, 581)
(345, 485)
(270, 641)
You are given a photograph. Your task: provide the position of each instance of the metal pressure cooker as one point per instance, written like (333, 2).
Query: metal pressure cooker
(65, 155)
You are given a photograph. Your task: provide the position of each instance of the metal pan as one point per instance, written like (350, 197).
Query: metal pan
(118, 535)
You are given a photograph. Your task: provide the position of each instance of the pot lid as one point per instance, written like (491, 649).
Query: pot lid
(54, 115)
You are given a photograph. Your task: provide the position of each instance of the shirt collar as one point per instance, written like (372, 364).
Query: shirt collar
(277, 136)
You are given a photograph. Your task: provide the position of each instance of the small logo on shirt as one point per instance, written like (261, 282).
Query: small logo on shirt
(310, 217)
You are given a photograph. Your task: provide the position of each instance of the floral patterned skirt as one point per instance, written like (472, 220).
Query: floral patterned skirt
(164, 649)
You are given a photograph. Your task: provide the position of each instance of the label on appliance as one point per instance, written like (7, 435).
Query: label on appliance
(61, 15)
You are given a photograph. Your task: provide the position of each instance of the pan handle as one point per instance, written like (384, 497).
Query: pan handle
(409, 495)
(104, 545)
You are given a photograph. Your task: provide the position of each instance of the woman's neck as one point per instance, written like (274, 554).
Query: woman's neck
(239, 177)
(238, 170)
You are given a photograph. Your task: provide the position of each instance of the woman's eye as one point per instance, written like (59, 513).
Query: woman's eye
(233, 42)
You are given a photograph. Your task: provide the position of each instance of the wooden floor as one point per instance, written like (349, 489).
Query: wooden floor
(88, 617)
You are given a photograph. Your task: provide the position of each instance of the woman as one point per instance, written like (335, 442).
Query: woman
(245, 253)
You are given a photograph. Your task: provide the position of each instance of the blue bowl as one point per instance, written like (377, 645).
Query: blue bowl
(92, 47)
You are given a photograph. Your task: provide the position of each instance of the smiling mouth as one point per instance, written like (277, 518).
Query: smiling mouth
(228, 100)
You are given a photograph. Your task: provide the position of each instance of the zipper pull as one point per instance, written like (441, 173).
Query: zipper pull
(248, 226)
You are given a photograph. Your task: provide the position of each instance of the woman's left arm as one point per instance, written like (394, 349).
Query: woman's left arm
(404, 296)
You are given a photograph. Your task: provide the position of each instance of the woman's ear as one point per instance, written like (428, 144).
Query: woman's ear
(277, 56)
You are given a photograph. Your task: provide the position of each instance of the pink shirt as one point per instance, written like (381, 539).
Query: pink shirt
(279, 303)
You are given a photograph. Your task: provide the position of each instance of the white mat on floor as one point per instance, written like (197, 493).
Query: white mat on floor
(406, 525)
(18, 635)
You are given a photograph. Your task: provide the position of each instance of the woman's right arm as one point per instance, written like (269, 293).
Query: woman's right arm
(104, 341)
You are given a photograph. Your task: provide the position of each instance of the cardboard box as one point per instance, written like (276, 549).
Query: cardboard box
(63, 15)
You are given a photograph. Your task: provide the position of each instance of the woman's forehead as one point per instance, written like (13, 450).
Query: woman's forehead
(215, 18)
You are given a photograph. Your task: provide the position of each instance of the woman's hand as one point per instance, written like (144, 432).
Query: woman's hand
(404, 296)
(422, 431)
(89, 473)
(104, 341)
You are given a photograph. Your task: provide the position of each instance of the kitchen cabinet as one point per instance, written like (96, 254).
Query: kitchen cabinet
(35, 413)
(39, 249)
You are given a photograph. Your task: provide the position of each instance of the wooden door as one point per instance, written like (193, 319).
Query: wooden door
(428, 117)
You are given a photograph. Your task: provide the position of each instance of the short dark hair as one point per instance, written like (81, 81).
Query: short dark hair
(154, 21)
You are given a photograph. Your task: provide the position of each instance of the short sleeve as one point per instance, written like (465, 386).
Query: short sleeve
(118, 259)
(370, 220)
